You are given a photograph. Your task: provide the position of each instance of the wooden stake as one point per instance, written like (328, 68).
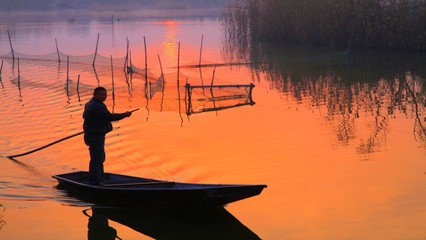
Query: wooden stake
(78, 82)
(1, 68)
(127, 55)
(130, 60)
(201, 50)
(11, 47)
(214, 71)
(57, 50)
(146, 60)
(178, 70)
(68, 70)
(68, 67)
(163, 81)
(96, 50)
(161, 66)
(189, 94)
(19, 77)
(146, 71)
(112, 79)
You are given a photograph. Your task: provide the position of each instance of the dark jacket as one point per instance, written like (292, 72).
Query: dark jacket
(97, 118)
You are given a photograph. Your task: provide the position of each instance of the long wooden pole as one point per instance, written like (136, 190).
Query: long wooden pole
(45, 146)
(53, 143)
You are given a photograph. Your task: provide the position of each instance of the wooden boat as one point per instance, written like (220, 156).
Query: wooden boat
(132, 191)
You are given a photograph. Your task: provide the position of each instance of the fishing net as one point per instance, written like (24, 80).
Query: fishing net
(77, 76)
(217, 97)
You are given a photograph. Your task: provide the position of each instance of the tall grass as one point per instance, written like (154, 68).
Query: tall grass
(381, 24)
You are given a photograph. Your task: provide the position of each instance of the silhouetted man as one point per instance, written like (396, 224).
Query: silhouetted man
(97, 123)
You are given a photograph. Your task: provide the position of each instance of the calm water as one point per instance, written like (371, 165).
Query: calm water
(339, 140)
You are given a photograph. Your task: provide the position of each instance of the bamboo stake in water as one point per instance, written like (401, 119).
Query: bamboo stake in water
(201, 50)
(130, 61)
(96, 50)
(161, 66)
(146, 60)
(163, 83)
(78, 87)
(178, 87)
(127, 55)
(68, 70)
(1, 68)
(146, 70)
(57, 50)
(112, 77)
(19, 77)
(214, 71)
(178, 70)
(11, 47)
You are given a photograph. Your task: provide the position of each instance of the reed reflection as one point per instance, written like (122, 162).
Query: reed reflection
(348, 88)
(203, 223)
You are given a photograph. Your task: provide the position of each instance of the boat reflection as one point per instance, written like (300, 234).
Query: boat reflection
(199, 223)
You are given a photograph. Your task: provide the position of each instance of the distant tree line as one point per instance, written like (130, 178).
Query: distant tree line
(8, 5)
(382, 24)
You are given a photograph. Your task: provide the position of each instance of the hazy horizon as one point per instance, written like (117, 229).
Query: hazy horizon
(108, 4)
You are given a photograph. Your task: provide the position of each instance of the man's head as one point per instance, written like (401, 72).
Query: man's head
(100, 93)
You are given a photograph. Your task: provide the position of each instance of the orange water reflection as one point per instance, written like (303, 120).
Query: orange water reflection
(324, 182)
(170, 42)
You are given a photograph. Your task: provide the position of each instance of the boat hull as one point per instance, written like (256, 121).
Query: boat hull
(142, 192)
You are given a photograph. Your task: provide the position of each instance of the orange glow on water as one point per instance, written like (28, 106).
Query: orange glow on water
(170, 22)
(170, 43)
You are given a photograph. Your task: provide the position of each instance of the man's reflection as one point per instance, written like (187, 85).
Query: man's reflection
(99, 228)
(192, 223)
